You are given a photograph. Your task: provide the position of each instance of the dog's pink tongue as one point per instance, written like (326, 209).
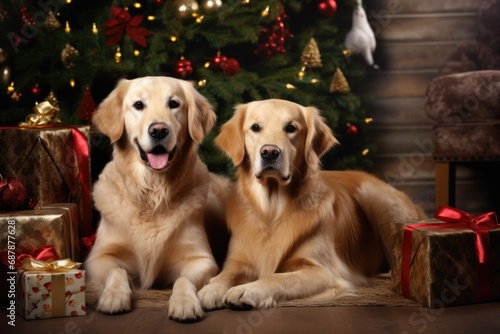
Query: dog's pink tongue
(158, 161)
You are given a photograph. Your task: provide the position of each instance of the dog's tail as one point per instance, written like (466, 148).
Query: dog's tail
(383, 205)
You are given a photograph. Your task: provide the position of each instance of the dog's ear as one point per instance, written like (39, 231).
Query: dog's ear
(319, 137)
(201, 116)
(109, 115)
(231, 138)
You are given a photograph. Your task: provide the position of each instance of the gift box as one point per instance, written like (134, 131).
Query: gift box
(53, 225)
(53, 164)
(453, 260)
(56, 291)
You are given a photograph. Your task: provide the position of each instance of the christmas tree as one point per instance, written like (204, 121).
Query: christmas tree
(234, 51)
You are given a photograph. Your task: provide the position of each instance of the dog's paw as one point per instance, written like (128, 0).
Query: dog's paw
(116, 297)
(211, 296)
(185, 307)
(244, 297)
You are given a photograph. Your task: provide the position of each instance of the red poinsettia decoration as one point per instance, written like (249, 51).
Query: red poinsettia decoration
(122, 22)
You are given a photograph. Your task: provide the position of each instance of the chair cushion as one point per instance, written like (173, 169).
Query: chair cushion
(467, 97)
(467, 141)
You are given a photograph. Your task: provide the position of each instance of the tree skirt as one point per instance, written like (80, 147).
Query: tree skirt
(376, 293)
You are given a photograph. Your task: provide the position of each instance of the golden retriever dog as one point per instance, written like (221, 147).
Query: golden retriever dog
(154, 197)
(296, 230)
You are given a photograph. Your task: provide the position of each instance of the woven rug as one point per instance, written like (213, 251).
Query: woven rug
(376, 293)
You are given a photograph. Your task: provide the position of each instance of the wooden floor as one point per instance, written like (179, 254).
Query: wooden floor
(480, 318)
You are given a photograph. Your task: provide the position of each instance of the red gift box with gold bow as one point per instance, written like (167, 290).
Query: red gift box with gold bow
(452, 259)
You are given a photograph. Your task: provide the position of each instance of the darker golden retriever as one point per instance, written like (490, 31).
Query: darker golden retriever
(154, 196)
(296, 230)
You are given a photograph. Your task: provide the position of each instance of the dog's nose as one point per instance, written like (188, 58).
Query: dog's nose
(270, 152)
(158, 130)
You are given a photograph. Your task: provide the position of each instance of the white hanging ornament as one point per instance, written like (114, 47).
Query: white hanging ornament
(361, 39)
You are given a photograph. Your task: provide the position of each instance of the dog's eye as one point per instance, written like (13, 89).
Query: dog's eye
(255, 127)
(139, 105)
(290, 128)
(173, 104)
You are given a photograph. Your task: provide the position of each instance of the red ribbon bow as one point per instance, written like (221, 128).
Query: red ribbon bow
(453, 217)
(122, 22)
(481, 224)
(43, 253)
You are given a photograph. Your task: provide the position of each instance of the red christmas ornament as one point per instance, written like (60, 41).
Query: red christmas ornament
(35, 90)
(327, 8)
(272, 38)
(217, 61)
(352, 130)
(122, 22)
(87, 107)
(12, 192)
(183, 68)
(231, 66)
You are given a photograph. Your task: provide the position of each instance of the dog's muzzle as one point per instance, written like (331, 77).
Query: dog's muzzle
(270, 160)
(158, 157)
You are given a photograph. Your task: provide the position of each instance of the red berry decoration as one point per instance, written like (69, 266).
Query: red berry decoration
(183, 68)
(12, 192)
(231, 66)
(352, 130)
(217, 61)
(327, 8)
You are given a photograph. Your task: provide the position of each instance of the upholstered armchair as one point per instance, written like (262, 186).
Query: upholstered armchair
(466, 110)
(464, 103)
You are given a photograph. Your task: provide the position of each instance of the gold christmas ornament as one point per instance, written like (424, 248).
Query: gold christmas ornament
(202, 83)
(265, 12)
(52, 22)
(67, 54)
(339, 83)
(118, 55)
(211, 5)
(67, 29)
(186, 8)
(311, 58)
(11, 88)
(301, 73)
(95, 31)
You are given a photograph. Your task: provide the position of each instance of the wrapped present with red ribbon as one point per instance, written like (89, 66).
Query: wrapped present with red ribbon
(50, 289)
(53, 163)
(452, 259)
(46, 233)
(54, 225)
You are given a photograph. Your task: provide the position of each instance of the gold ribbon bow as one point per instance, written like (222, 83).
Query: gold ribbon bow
(56, 266)
(45, 113)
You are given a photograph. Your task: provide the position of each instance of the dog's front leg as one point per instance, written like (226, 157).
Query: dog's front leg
(110, 282)
(211, 296)
(184, 305)
(269, 290)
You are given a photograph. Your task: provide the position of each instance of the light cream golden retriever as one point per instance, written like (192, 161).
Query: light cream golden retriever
(297, 231)
(154, 196)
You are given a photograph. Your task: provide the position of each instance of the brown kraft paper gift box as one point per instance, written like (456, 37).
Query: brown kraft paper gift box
(48, 162)
(444, 264)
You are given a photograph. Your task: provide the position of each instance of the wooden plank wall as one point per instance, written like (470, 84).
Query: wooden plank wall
(413, 40)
